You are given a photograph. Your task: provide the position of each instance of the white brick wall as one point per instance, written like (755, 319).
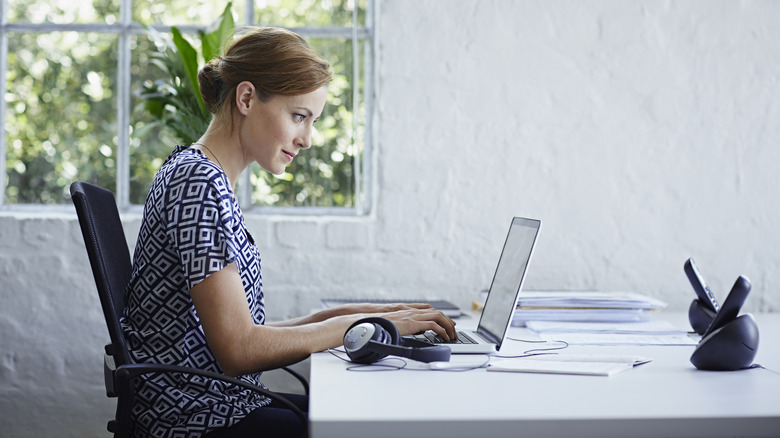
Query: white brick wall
(641, 133)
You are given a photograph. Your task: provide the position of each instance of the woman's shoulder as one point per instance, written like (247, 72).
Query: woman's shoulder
(189, 167)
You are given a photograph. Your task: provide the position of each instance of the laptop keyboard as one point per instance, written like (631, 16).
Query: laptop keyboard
(433, 338)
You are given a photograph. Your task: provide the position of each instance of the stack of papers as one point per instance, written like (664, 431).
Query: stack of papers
(584, 306)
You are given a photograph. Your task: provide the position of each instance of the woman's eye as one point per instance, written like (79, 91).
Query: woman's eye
(299, 117)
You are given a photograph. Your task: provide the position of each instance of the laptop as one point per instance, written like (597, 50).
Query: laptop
(502, 296)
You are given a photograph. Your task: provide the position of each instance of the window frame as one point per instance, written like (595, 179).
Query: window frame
(124, 28)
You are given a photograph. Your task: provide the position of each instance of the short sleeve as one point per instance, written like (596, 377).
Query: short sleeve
(201, 222)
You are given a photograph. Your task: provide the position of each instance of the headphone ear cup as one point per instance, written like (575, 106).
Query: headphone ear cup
(360, 333)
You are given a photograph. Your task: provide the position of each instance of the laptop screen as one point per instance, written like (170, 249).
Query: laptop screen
(508, 279)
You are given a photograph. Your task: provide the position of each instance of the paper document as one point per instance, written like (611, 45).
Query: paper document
(559, 367)
(592, 357)
(619, 339)
(658, 332)
(658, 327)
(523, 315)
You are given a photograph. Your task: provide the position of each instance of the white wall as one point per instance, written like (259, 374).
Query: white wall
(641, 133)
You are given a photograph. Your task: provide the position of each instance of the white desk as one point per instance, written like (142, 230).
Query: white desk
(667, 397)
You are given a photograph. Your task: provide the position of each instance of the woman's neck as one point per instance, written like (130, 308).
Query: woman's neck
(224, 152)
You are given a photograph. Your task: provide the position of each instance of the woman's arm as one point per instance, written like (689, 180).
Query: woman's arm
(241, 347)
(351, 309)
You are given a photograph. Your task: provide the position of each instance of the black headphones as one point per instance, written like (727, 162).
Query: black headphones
(371, 339)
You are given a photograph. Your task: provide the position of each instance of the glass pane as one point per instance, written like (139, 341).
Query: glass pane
(61, 114)
(63, 11)
(322, 176)
(150, 142)
(184, 12)
(309, 13)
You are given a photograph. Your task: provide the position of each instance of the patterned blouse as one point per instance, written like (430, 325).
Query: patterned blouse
(192, 227)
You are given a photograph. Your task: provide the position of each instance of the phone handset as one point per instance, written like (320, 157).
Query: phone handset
(703, 291)
(730, 342)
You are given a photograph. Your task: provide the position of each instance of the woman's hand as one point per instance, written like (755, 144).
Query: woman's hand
(409, 318)
(419, 319)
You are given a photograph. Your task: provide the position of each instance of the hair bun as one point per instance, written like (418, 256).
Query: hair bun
(211, 85)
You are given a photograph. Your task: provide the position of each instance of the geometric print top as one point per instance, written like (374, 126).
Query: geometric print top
(192, 227)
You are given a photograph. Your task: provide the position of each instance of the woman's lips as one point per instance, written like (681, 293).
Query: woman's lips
(289, 156)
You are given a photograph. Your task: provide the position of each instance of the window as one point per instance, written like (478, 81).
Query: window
(70, 71)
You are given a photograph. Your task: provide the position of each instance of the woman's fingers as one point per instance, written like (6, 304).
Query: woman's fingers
(419, 320)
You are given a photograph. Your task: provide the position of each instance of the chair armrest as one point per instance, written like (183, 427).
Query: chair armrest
(125, 373)
(109, 368)
(299, 377)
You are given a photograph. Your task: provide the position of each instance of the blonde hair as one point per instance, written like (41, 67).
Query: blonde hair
(276, 61)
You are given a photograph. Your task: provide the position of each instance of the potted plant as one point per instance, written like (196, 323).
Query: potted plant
(175, 102)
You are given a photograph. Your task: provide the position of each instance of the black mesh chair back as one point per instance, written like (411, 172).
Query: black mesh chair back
(109, 257)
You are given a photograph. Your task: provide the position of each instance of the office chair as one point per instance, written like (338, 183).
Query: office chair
(109, 258)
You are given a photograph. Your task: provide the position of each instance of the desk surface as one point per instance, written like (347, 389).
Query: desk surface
(666, 397)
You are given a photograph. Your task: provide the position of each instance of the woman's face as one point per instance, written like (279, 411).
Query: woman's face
(275, 131)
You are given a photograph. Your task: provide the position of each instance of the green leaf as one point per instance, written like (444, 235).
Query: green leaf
(217, 33)
(155, 108)
(189, 60)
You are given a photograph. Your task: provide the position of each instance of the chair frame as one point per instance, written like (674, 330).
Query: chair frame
(111, 266)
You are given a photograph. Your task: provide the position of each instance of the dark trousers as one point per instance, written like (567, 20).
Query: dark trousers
(273, 420)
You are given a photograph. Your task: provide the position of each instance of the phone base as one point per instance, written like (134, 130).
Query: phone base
(700, 317)
(731, 347)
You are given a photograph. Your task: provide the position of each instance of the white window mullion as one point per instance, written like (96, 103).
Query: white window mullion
(245, 188)
(249, 12)
(123, 107)
(365, 198)
(356, 170)
(3, 71)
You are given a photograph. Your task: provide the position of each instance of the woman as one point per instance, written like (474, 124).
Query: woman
(195, 297)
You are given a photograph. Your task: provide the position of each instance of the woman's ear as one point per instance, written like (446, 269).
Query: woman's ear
(245, 91)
